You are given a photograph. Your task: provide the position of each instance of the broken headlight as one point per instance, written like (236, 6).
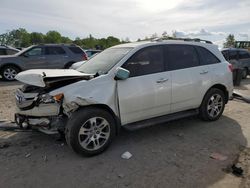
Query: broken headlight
(46, 98)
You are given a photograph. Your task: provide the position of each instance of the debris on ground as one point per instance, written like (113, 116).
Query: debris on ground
(237, 171)
(218, 156)
(45, 158)
(4, 145)
(27, 155)
(121, 175)
(126, 155)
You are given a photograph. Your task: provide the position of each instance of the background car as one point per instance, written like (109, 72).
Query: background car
(45, 56)
(7, 50)
(92, 52)
(239, 58)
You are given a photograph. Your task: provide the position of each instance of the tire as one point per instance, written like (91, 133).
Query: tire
(9, 72)
(90, 131)
(244, 73)
(68, 65)
(213, 105)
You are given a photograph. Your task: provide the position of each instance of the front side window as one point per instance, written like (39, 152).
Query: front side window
(54, 51)
(206, 57)
(243, 55)
(181, 57)
(34, 52)
(148, 60)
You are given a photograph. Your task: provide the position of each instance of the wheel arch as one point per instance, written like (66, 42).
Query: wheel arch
(107, 109)
(222, 88)
(68, 64)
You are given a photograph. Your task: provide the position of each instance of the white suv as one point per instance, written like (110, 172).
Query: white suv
(131, 85)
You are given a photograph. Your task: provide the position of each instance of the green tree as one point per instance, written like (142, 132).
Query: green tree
(53, 37)
(36, 38)
(230, 40)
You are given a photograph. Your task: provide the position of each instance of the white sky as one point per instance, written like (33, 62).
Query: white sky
(206, 19)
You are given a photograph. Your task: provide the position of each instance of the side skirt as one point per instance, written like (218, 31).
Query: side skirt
(160, 119)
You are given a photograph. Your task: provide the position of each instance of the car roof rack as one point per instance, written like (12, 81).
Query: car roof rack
(183, 39)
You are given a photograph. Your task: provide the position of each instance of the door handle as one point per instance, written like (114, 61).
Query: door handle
(162, 80)
(204, 72)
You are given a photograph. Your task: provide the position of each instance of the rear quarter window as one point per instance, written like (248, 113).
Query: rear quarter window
(206, 57)
(76, 50)
(54, 50)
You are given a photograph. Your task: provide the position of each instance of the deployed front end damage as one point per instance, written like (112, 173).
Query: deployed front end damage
(36, 107)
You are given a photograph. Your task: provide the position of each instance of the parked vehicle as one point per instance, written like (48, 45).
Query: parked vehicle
(7, 50)
(131, 85)
(49, 56)
(90, 53)
(242, 44)
(239, 58)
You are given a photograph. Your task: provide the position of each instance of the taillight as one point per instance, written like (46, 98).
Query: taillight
(230, 66)
(85, 57)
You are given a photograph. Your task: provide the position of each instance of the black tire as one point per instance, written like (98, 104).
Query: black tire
(244, 73)
(82, 119)
(68, 65)
(12, 70)
(207, 108)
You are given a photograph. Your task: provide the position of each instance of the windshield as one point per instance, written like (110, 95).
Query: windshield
(104, 61)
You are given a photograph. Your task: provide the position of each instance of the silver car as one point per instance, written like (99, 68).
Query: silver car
(49, 56)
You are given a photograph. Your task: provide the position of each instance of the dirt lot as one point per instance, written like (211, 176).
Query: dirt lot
(175, 154)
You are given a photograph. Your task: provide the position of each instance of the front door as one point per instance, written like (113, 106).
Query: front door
(147, 92)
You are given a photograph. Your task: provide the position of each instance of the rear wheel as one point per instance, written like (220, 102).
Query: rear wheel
(212, 105)
(90, 131)
(9, 72)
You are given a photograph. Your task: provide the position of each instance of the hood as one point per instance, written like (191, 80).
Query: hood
(43, 77)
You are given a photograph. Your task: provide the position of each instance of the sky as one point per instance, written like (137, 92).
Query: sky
(206, 19)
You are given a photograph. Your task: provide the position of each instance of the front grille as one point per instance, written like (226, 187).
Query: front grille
(24, 100)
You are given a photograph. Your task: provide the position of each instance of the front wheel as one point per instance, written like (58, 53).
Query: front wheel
(212, 105)
(90, 131)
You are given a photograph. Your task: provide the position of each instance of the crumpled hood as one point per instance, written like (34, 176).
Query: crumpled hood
(38, 77)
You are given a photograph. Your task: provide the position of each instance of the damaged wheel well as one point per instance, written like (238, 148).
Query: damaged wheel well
(109, 110)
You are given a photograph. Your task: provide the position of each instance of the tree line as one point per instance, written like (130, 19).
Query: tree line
(21, 38)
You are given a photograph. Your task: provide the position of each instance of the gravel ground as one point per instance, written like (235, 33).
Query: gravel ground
(175, 154)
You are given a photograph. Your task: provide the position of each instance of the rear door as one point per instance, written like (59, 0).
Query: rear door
(188, 77)
(147, 92)
(244, 58)
(56, 57)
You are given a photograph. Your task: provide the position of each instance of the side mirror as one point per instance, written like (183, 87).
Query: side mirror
(121, 74)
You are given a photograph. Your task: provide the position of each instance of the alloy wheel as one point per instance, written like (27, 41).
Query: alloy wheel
(215, 105)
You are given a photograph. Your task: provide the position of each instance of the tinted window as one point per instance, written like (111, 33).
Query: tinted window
(181, 57)
(76, 50)
(2, 52)
(243, 55)
(233, 54)
(225, 54)
(54, 51)
(34, 52)
(11, 52)
(146, 61)
(206, 57)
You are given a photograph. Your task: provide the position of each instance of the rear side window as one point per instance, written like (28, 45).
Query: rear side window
(233, 54)
(206, 57)
(243, 55)
(76, 50)
(53, 50)
(225, 54)
(181, 57)
(148, 60)
(10, 51)
(2, 52)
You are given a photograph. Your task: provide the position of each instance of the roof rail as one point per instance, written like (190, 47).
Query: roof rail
(159, 39)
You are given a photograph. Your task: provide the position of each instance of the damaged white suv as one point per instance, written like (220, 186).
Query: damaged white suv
(130, 85)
